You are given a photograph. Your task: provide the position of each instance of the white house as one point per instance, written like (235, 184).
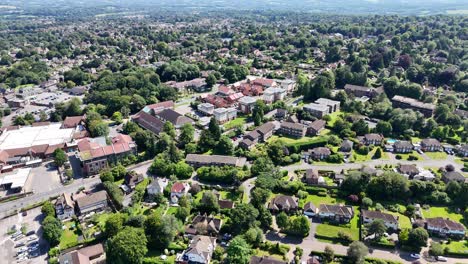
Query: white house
(444, 227)
(390, 221)
(156, 186)
(206, 108)
(178, 190)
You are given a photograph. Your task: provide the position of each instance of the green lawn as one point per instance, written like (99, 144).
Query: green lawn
(240, 121)
(171, 210)
(458, 246)
(442, 212)
(262, 253)
(436, 155)
(404, 156)
(69, 236)
(317, 200)
(296, 141)
(356, 157)
(330, 230)
(155, 255)
(403, 220)
(333, 117)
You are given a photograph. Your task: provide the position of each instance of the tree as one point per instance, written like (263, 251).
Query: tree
(117, 117)
(211, 80)
(259, 196)
(418, 237)
(209, 202)
(367, 202)
(254, 236)
(377, 154)
(169, 129)
(186, 134)
(52, 230)
(214, 129)
(264, 217)
(128, 246)
(282, 220)
(113, 224)
(377, 227)
(48, 209)
(357, 252)
(436, 249)
(243, 217)
(299, 226)
(60, 157)
(225, 146)
(238, 251)
(160, 230)
(328, 254)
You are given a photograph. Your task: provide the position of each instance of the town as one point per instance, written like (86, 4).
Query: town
(236, 138)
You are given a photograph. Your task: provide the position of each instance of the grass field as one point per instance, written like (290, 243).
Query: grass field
(155, 257)
(442, 212)
(330, 230)
(356, 157)
(262, 253)
(70, 236)
(404, 156)
(458, 246)
(317, 200)
(240, 121)
(436, 155)
(333, 117)
(171, 210)
(293, 141)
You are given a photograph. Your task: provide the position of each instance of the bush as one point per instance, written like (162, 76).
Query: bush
(398, 157)
(412, 157)
(345, 237)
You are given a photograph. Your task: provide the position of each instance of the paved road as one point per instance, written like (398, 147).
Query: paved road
(88, 183)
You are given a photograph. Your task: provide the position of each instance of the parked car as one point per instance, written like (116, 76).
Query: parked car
(441, 259)
(415, 256)
(30, 233)
(20, 244)
(19, 237)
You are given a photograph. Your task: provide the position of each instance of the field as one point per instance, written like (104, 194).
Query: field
(240, 121)
(404, 156)
(436, 155)
(458, 246)
(333, 117)
(356, 157)
(317, 200)
(70, 236)
(442, 212)
(295, 141)
(330, 230)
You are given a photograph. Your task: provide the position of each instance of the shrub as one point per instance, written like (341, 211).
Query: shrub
(345, 237)
(398, 157)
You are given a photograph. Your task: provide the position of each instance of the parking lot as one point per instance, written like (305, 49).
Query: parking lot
(23, 249)
(43, 179)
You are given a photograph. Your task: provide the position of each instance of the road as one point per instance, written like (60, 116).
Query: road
(88, 183)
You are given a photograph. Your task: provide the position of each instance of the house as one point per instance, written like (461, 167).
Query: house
(444, 227)
(223, 115)
(319, 153)
(265, 83)
(273, 94)
(94, 254)
(283, 203)
(333, 106)
(169, 115)
(310, 209)
(315, 127)
(463, 150)
(92, 203)
(360, 91)
(336, 213)
(199, 160)
(95, 154)
(246, 104)
(409, 103)
(449, 176)
(156, 186)
(293, 129)
(403, 147)
(204, 225)
(373, 139)
(265, 260)
(431, 144)
(409, 170)
(178, 190)
(149, 122)
(132, 179)
(158, 107)
(260, 134)
(288, 85)
(424, 175)
(346, 145)
(199, 251)
(317, 110)
(206, 108)
(390, 221)
(312, 177)
(226, 204)
(64, 207)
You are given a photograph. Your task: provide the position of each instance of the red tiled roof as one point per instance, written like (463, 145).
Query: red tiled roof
(178, 187)
(72, 121)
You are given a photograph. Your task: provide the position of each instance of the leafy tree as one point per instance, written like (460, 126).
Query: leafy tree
(261, 164)
(328, 254)
(357, 252)
(160, 230)
(254, 236)
(127, 246)
(214, 129)
(209, 202)
(418, 237)
(264, 217)
(390, 185)
(377, 154)
(186, 134)
(48, 209)
(259, 196)
(367, 202)
(299, 226)
(243, 217)
(52, 230)
(282, 220)
(436, 249)
(225, 146)
(377, 227)
(238, 251)
(169, 129)
(113, 224)
(117, 117)
(60, 157)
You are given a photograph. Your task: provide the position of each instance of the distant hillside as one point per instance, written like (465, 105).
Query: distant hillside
(401, 7)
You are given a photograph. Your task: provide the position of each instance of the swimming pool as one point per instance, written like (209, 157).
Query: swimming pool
(391, 140)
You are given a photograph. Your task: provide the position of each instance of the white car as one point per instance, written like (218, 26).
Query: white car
(441, 259)
(415, 256)
(32, 238)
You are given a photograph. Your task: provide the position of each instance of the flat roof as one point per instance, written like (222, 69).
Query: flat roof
(34, 136)
(16, 179)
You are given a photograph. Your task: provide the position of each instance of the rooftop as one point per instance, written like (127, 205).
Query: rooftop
(35, 135)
